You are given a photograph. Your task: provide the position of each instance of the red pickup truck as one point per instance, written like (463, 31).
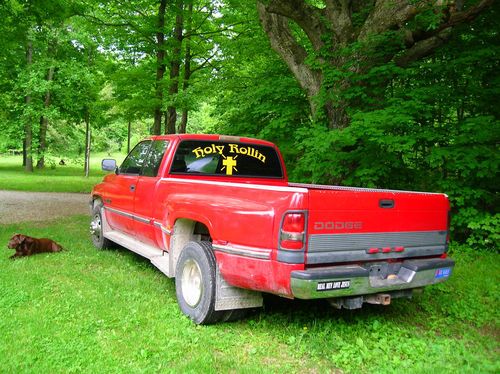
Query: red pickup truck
(219, 215)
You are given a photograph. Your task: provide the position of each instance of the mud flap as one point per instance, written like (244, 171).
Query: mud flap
(229, 297)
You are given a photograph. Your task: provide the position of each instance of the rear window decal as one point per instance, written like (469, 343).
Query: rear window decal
(218, 158)
(229, 163)
(205, 151)
(233, 149)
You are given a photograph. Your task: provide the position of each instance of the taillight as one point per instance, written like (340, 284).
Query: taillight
(292, 232)
(448, 227)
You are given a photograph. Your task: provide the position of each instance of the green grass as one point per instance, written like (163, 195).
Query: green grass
(55, 178)
(85, 310)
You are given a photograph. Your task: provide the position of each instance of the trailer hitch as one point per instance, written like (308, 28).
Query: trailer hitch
(356, 302)
(379, 299)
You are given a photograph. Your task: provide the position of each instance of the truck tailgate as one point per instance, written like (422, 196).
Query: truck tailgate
(354, 224)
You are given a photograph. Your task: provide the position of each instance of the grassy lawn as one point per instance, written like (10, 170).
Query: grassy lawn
(85, 310)
(67, 178)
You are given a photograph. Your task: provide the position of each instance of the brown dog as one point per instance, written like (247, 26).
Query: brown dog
(27, 246)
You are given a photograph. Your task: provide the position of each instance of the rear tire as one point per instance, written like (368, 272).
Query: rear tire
(195, 283)
(96, 228)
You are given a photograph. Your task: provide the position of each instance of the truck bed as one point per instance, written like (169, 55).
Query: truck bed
(348, 224)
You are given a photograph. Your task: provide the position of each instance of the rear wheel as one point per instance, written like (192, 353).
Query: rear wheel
(195, 283)
(96, 228)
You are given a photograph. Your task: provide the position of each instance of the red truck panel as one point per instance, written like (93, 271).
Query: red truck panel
(354, 211)
(352, 224)
(242, 216)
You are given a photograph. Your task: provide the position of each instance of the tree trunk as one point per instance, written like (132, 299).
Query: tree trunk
(87, 142)
(160, 67)
(28, 135)
(175, 68)
(42, 142)
(337, 115)
(24, 152)
(128, 135)
(44, 122)
(28, 130)
(184, 120)
(187, 66)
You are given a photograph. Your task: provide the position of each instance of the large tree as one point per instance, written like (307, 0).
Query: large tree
(325, 42)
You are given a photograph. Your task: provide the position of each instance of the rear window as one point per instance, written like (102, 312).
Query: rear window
(230, 159)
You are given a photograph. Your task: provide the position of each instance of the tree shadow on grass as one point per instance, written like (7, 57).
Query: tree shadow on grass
(303, 311)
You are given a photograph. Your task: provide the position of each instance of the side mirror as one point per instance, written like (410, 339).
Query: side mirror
(108, 164)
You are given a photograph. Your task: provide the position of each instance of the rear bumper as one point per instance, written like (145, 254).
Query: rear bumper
(350, 280)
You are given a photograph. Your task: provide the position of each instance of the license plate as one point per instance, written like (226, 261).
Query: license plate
(442, 273)
(333, 285)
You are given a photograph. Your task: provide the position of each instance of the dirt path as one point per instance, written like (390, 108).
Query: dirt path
(16, 206)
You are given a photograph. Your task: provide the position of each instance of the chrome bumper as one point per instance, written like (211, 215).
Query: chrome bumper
(350, 280)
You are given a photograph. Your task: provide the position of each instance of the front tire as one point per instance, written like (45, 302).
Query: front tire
(195, 283)
(96, 228)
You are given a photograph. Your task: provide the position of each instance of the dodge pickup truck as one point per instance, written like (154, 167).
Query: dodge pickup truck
(218, 214)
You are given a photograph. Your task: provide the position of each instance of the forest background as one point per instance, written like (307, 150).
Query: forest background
(388, 94)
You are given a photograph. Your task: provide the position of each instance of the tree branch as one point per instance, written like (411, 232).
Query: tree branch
(97, 21)
(219, 31)
(423, 48)
(457, 17)
(209, 14)
(308, 17)
(386, 15)
(208, 61)
(294, 55)
(422, 44)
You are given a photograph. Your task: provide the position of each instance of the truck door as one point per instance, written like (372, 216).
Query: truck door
(144, 201)
(120, 201)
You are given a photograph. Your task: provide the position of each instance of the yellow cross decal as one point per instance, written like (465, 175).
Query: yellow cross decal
(229, 163)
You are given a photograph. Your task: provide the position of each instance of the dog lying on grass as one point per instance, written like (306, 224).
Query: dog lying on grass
(27, 246)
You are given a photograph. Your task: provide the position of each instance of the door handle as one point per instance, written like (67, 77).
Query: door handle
(386, 203)
(132, 187)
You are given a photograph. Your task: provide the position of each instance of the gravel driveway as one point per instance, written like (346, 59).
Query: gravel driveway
(16, 206)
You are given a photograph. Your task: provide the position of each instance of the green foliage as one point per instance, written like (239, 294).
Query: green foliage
(483, 228)
(432, 126)
(204, 120)
(85, 310)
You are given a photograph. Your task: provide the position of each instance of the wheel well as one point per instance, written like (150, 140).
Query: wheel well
(186, 230)
(95, 200)
(202, 230)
